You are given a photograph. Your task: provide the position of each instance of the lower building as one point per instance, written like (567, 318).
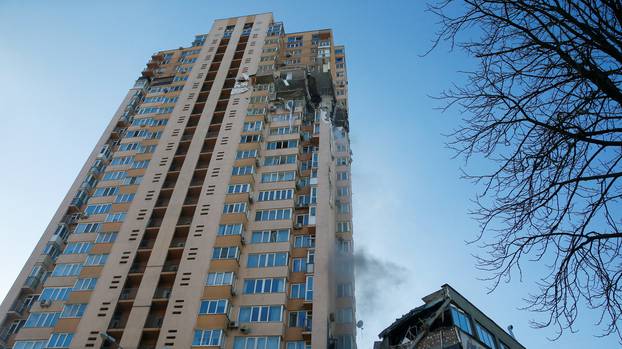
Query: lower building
(447, 320)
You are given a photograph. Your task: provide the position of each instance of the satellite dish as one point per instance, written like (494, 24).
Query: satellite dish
(359, 324)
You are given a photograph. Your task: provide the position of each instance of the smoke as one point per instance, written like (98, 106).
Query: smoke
(375, 280)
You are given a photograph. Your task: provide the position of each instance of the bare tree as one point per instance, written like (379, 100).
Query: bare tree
(545, 105)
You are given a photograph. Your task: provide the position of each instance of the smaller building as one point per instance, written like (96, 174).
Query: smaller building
(447, 320)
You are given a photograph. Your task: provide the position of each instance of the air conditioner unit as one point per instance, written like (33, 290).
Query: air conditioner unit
(44, 303)
(242, 240)
(251, 199)
(233, 324)
(257, 162)
(180, 244)
(298, 226)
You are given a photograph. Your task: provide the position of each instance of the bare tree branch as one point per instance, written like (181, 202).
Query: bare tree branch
(545, 105)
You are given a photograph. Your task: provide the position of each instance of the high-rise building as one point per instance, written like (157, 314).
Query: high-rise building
(215, 210)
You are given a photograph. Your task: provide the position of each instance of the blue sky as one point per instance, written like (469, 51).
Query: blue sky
(66, 66)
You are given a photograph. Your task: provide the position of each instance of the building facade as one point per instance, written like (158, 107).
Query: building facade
(215, 210)
(446, 320)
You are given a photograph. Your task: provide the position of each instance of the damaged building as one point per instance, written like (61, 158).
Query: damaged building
(212, 211)
(446, 320)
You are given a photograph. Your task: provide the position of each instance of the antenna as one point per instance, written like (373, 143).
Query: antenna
(510, 328)
(359, 324)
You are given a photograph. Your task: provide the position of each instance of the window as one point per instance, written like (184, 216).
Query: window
(342, 176)
(342, 191)
(108, 191)
(237, 207)
(345, 315)
(108, 237)
(254, 125)
(292, 143)
(343, 227)
(122, 160)
(298, 319)
(115, 217)
(67, 269)
(304, 241)
(225, 253)
(250, 138)
(279, 160)
(229, 229)
(96, 259)
(273, 215)
(132, 180)
(220, 279)
(77, 247)
(461, 319)
(296, 345)
(85, 284)
(97, 209)
(140, 164)
(344, 290)
(213, 306)
(299, 265)
(246, 154)
(273, 195)
(55, 293)
(266, 236)
(271, 285)
(206, 338)
(124, 198)
(29, 344)
(343, 207)
(282, 117)
(264, 313)
(485, 336)
(503, 345)
(272, 342)
(60, 340)
(344, 246)
(255, 111)
(283, 130)
(42, 320)
(345, 342)
(73, 310)
(267, 260)
(238, 188)
(87, 228)
(243, 170)
(297, 291)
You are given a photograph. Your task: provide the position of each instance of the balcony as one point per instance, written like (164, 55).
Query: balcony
(170, 267)
(19, 308)
(146, 244)
(138, 268)
(184, 221)
(128, 294)
(213, 134)
(155, 223)
(31, 283)
(162, 293)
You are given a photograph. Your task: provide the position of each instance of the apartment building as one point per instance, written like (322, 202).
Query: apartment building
(214, 211)
(446, 320)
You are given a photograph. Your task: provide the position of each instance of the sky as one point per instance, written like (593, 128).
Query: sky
(66, 65)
